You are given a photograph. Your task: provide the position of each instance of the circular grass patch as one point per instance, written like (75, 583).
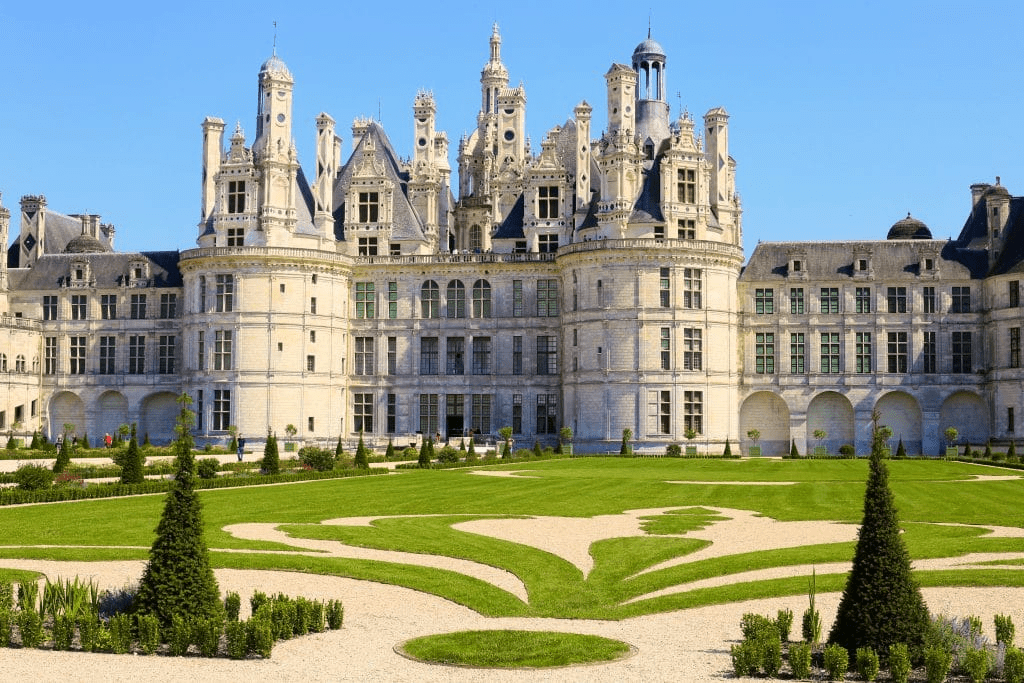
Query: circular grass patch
(513, 649)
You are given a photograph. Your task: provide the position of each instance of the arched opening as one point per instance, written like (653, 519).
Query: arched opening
(157, 418)
(832, 413)
(900, 412)
(66, 408)
(112, 412)
(968, 414)
(767, 413)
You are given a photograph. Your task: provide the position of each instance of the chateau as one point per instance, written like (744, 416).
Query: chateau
(596, 283)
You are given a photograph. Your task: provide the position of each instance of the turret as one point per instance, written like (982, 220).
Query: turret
(274, 152)
(716, 124)
(621, 84)
(652, 109)
(33, 229)
(328, 153)
(213, 148)
(493, 77)
(582, 113)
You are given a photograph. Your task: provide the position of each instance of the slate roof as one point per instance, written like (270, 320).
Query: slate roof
(60, 231)
(108, 269)
(1011, 259)
(512, 227)
(647, 208)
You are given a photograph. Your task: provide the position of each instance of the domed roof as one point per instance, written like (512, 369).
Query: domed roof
(649, 46)
(85, 244)
(275, 65)
(909, 229)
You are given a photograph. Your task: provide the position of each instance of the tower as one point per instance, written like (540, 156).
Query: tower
(621, 85)
(274, 151)
(494, 77)
(425, 179)
(716, 125)
(213, 148)
(652, 111)
(582, 113)
(328, 154)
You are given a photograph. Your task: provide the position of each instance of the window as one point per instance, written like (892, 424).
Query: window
(547, 298)
(897, 352)
(1014, 347)
(369, 207)
(392, 300)
(50, 356)
(928, 353)
(764, 301)
(476, 238)
(692, 288)
(221, 409)
(49, 307)
(686, 186)
(19, 363)
(517, 355)
(225, 293)
(199, 409)
(547, 355)
(961, 300)
(929, 299)
(312, 305)
(78, 307)
(481, 299)
(480, 421)
(796, 300)
(136, 354)
(430, 300)
(365, 299)
(481, 355)
(77, 366)
(897, 299)
(797, 353)
(108, 306)
(829, 299)
(547, 202)
(222, 341)
(364, 356)
(236, 236)
(367, 246)
(202, 293)
(547, 244)
(962, 361)
(862, 300)
(686, 229)
(165, 354)
(236, 196)
(1010, 421)
(392, 355)
(764, 353)
(201, 350)
(830, 353)
(517, 413)
(517, 298)
(666, 348)
(311, 363)
(392, 416)
(428, 356)
(1014, 293)
(547, 413)
(362, 412)
(693, 411)
(456, 299)
(107, 355)
(798, 265)
(693, 349)
(428, 415)
(665, 288)
(138, 307)
(3, 362)
(455, 353)
(862, 352)
(168, 305)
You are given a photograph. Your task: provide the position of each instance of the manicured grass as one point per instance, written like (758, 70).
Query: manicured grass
(514, 649)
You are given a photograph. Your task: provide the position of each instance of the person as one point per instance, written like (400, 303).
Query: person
(108, 440)
(241, 448)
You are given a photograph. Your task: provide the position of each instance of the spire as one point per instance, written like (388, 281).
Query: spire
(495, 44)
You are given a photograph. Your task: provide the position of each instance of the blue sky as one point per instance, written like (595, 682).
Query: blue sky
(844, 116)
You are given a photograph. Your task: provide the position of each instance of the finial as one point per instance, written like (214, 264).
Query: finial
(649, 24)
(997, 180)
(275, 38)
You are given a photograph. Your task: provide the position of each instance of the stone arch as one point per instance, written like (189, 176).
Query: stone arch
(65, 408)
(157, 417)
(900, 412)
(769, 414)
(967, 412)
(111, 413)
(832, 413)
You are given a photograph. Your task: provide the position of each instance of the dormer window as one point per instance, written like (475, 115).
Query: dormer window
(138, 272)
(686, 186)
(929, 264)
(862, 264)
(79, 274)
(236, 196)
(369, 207)
(798, 266)
(547, 202)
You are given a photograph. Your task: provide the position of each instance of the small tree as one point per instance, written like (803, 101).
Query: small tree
(233, 432)
(426, 452)
(793, 452)
(63, 455)
(564, 437)
(506, 435)
(131, 469)
(123, 432)
(362, 453)
(728, 449)
(951, 434)
(339, 449)
(626, 449)
(271, 463)
(389, 454)
(901, 451)
(471, 453)
(1012, 452)
(537, 452)
(84, 443)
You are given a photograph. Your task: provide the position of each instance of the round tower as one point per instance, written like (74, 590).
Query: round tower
(652, 111)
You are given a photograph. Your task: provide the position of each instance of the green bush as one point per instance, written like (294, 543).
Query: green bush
(271, 463)
(88, 630)
(232, 605)
(258, 599)
(63, 631)
(1013, 665)
(6, 623)
(836, 661)
(319, 459)
(810, 625)
(284, 618)
(389, 453)
(800, 660)
(179, 636)
(448, 455)
(6, 596)
(33, 477)
(149, 633)
(120, 634)
(744, 659)
(899, 662)
(207, 468)
(771, 652)
(260, 637)
(315, 616)
(976, 663)
(362, 459)
(867, 663)
(937, 661)
(335, 614)
(1005, 630)
(784, 623)
(847, 450)
(206, 635)
(752, 625)
(237, 637)
(301, 625)
(30, 625)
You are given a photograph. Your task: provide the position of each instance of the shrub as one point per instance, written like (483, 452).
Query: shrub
(178, 636)
(6, 622)
(258, 599)
(120, 634)
(448, 454)
(131, 464)
(899, 662)
(284, 618)
(33, 477)
(1004, 629)
(771, 652)
(1013, 665)
(207, 468)
(206, 635)
(836, 661)
(847, 450)
(260, 636)
(867, 663)
(793, 452)
(315, 616)
(752, 625)
(237, 639)
(471, 455)
(901, 451)
(232, 605)
(335, 614)
(63, 456)
(744, 659)
(673, 450)
(800, 660)
(6, 596)
(389, 453)
(149, 633)
(537, 452)
(89, 626)
(937, 660)
(426, 449)
(362, 454)
(30, 625)
(784, 623)
(271, 463)
(410, 453)
(727, 453)
(319, 459)
(301, 625)
(976, 663)
(63, 631)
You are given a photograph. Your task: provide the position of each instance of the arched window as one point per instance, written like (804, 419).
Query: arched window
(3, 362)
(456, 299)
(19, 363)
(481, 299)
(430, 299)
(476, 240)
(35, 365)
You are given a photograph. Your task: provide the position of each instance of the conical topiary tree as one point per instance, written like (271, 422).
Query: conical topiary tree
(793, 452)
(389, 454)
(1012, 452)
(131, 470)
(881, 604)
(178, 580)
(271, 463)
(63, 455)
(362, 454)
(425, 453)
(339, 449)
(84, 441)
(471, 453)
(727, 453)
(901, 451)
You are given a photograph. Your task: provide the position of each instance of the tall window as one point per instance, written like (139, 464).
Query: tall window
(77, 355)
(547, 355)
(863, 352)
(1014, 347)
(928, 353)
(221, 409)
(666, 348)
(692, 288)
(693, 411)
(797, 353)
(481, 355)
(686, 186)
(796, 300)
(1013, 287)
(392, 417)
(455, 354)
(165, 354)
(481, 299)
(961, 300)
(430, 300)
(862, 300)
(362, 412)
(369, 207)
(456, 299)
(962, 361)
(107, 355)
(428, 415)
(49, 307)
(517, 413)
(202, 293)
(659, 412)
(929, 299)
(201, 350)
(693, 349)
(1010, 421)
(665, 287)
(138, 307)
(764, 301)
(547, 298)
(365, 298)
(547, 413)
(830, 353)
(168, 305)
(829, 299)
(547, 202)
(108, 306)
(50, 356)
(364, 355)
(897, 299)
(392, 300)
(222, 351)
(78, 307)
(225, 293)
(517, 355)
(481, 418)
(476, 238)
(517, 298)
(764, 353)
(428, 356)
(236, 196)
(312, 305)
(136, 354)
(392, 355)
